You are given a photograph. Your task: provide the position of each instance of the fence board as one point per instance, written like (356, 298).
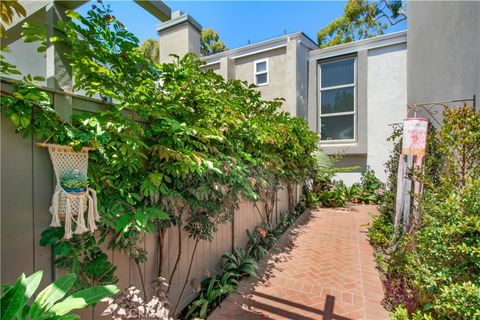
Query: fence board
(26, 189)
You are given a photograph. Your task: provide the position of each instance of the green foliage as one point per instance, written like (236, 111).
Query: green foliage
(151, 50)
(240, 263)
(8, 9)
(214, 290)
(210, 42)
(259, 241)
(81, 255)
(434, 272)
(174, 134)
(362, 19)
(380, 232)
(52, 302)
(330, 193)
(400, 313)
(459, 301)
(335, 196)
(73, 179)
(312, 199)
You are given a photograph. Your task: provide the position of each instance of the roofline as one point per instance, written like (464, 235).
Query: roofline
(261, 46)
(366, 44)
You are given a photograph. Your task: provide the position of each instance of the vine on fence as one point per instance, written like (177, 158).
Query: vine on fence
(177, 146)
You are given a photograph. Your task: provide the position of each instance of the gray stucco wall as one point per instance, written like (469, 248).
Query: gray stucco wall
(443, 50)
(302, 81)
(381, 100)
(278, 84)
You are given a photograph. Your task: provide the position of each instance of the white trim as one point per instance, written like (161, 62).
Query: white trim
(346, 113)
(262, 46)
(256, 73)
(352, 47)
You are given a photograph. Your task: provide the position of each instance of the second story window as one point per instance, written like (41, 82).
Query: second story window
(261, 72)
(337, 100)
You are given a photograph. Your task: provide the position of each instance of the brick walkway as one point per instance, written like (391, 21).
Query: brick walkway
(322, 268)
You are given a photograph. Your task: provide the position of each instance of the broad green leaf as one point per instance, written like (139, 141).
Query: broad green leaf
(82, 299)
(12, 300)
(51, 294)
(31, 284)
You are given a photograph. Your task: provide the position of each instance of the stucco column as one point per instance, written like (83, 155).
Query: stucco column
(227, 68)
(59, 71)
(179, 36)
(291, 78)
(313, 95)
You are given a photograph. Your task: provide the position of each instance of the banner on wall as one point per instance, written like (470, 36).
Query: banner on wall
(414, 136)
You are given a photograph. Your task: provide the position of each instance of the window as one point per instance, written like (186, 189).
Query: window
(261, 72)
(337, 100)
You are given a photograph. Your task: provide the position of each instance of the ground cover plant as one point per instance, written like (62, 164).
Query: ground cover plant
(328, 192)
(176, 147)
(238, 264)
(433, 271)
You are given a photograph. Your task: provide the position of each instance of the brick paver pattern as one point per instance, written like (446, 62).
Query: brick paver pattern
(322, 268)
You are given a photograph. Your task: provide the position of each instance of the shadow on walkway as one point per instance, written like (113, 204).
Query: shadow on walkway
(321, 268)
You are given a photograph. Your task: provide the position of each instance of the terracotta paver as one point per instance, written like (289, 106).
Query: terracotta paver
(322, 268)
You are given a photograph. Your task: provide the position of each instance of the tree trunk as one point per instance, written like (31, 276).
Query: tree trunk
(178, 257)
(186, 277)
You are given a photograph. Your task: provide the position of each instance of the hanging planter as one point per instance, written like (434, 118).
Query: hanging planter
(73, 201)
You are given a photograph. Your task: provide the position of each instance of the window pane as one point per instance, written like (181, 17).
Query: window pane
(337, 127)
(261, 78)
(261, 66)
(337, 73)
(337, 100)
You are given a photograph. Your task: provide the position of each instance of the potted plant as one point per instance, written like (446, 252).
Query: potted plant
(74, 181)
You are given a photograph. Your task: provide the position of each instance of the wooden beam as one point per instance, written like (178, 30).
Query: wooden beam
(157, 8)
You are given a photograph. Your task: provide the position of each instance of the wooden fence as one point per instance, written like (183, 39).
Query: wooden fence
(26, 188)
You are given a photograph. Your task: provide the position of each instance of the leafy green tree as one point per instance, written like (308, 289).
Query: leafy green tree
(362, 19)
(151, 49)
(210, 42)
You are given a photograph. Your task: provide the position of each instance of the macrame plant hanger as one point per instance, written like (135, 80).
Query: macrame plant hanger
(68, 206)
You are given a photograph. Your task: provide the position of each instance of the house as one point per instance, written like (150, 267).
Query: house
(361, 86)
(349, 93)
(352, 93)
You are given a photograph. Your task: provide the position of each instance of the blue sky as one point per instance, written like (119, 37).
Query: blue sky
(238, 22)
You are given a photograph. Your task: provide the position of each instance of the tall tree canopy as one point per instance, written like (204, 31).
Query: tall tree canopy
(151, 50)
(210, 42)
(362, 19)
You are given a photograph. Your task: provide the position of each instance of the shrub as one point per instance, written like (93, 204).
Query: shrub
(459, 301)
(51, 303)
(434, 270)
(380, 232)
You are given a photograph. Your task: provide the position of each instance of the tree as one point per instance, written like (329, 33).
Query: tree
(7, 11)
(151, 50)
(210, 42)
(362, 19)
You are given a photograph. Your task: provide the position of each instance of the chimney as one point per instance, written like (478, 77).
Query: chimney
(179, 36)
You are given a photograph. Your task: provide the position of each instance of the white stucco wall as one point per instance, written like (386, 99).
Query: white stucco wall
(387, 101)
(386, 104)
(27, 59)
